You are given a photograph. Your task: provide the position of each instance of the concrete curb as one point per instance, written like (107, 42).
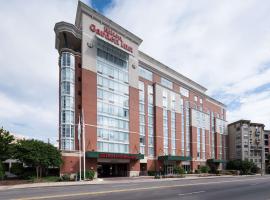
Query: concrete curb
(101, 181)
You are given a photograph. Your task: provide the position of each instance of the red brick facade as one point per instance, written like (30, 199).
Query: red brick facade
(86, 102)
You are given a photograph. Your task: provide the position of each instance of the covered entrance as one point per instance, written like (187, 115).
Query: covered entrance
(169, 162)
(112, 170)
(113, 164)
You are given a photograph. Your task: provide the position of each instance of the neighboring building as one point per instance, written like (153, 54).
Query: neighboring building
(246, 142)
(266, 148)
(139, 114)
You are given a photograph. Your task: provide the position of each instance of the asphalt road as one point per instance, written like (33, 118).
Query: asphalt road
(247, 188)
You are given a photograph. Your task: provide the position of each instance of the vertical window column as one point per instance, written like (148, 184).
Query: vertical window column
(67, 104)
(198, 143)
(142, 118)
(187, 129)
(173, 134)
(165, 123)
(213, 135)
(150, 121)
(182, 128)
(112, 99)
(203, 144)
(165, 132)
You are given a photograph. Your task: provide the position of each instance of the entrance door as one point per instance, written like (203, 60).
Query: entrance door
(112, 170)
(169, 169)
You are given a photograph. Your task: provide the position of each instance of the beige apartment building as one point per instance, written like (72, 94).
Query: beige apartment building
(246, 142)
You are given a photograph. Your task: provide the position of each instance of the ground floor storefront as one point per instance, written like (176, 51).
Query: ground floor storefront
(128, 165)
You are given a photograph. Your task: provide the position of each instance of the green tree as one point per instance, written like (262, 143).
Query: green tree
(5, 144)
(179, 170)
(244, 166)
(37, 154)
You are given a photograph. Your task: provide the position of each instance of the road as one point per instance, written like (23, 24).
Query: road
(221, 188)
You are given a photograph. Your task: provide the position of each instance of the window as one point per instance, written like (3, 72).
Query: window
(67, 104)
(150, 121)
(164, 98)
(165, 132)
(166, 83)
(145, 73)
(113, 98)
(198, 143)
(184, 92)
(173, 133)
(200, 100)
(187, 128)
(182, 128)
(195, 98)
(173, 101)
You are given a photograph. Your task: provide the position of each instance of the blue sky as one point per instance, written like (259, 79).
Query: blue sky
(223, 45)
(100, 5)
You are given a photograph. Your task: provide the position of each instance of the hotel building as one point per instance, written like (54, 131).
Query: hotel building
(139, 114)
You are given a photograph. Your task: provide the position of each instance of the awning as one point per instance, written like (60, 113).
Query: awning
(174, 158)
(96, 154)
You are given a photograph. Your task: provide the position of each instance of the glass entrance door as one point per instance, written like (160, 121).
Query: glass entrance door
(169, 169)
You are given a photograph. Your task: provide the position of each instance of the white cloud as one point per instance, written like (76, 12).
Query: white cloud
(255, 107)
(223, 45)
(28, 65)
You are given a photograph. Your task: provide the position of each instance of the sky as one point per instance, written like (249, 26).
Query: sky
(223, 45)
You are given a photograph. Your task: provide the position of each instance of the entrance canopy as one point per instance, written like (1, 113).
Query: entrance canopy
(96, 154)
(174, 158)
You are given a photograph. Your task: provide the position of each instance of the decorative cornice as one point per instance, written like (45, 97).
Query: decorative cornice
(83, 8)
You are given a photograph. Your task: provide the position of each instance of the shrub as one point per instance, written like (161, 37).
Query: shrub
(157, 177)
(2, 173)
(179, 170)
(245, 167)
(254, 169)
(204, 169)
(28, 175)
(197, 171)
(90, 174)
(65, 177)
(151, 173)
(17, 169)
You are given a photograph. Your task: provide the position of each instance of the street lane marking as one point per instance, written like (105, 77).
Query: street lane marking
(191, 193)
(133, 189)
(126, 185)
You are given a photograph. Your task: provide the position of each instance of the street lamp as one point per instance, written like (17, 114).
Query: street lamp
(257, 141)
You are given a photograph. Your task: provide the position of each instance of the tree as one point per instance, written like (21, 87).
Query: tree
(5, 144)
(244, 166)
(37, 154)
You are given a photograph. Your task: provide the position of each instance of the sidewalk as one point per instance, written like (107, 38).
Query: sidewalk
(111, 181)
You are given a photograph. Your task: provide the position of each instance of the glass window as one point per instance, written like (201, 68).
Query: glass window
(184, 92)
(166, 83)
(145, 73)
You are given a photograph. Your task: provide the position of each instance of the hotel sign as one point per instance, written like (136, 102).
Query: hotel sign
(95, 154)
(111, 36)
(117, 156)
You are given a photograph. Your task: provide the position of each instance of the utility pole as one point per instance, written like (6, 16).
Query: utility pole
(83, 131)
(80, 150)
